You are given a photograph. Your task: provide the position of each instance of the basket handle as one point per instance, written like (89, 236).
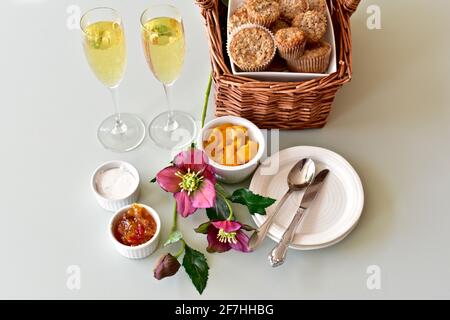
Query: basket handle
(350, 5)
(205, 5)
(210, 12)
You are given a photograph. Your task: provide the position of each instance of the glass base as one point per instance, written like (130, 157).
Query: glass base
(124, 136)
(175, 135)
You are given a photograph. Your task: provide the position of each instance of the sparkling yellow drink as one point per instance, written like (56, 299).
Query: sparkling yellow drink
(105, 48)
(164, 47)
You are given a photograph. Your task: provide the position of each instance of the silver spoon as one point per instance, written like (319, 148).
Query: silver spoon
(300, 176)
(278, 255)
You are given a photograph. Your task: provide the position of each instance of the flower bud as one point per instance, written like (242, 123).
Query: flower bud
(167, 266)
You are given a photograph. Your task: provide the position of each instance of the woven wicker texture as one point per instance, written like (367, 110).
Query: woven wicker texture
(283, 105)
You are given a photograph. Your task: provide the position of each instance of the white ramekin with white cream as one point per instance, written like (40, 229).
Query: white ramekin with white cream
(115, 185)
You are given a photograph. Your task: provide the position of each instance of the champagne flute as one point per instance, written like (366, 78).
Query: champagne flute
(105, 50)
(164, 47)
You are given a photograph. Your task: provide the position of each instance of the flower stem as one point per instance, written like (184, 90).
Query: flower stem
(175, 217)
(174, 228)
(180, 252)
(205, 103)
(231, 216)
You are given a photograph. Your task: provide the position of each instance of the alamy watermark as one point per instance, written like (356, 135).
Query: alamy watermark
(73, 281)
(374, 19)
(373, 281)
(74, 17)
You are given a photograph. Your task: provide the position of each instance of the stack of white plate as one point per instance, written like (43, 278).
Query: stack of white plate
(334, 213)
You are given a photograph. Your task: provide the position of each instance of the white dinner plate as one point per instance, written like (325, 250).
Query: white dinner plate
(334, 213)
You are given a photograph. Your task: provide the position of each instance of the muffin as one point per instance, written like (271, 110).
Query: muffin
(263, 12)
(251, 47)
(238, 18)
(313, 23)
(291, 8)
(317, 5)
(278, 25)
(290, 42)
(315, 59)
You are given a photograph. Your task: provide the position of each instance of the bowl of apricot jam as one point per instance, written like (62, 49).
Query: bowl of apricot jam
(134, 231)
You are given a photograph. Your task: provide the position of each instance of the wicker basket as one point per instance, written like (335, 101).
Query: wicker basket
(284, 105)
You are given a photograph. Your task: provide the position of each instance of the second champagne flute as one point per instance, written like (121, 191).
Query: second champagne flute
(164, 46)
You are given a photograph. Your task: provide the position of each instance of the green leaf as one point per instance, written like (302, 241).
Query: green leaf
(212, 214)
(153, 180)
(220, 211)
(220, 189)
(203, 228)
(254, 202)
(196, 267)
(174, 237)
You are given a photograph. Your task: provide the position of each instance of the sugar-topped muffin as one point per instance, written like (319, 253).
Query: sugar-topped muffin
(291, 8)
(251, 47)
(263, 12)
(315, 59)
(313, 23)
(317, 5)
(279, 24)
(238, 18)
(290, 42)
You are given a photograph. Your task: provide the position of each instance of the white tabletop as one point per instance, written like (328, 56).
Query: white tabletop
(390, 123)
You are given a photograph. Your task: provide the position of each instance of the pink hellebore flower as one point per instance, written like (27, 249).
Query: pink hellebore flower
(225, 235)
(192, 181)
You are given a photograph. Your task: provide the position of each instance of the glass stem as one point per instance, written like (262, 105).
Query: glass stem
(119, 127)
(171, 122)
